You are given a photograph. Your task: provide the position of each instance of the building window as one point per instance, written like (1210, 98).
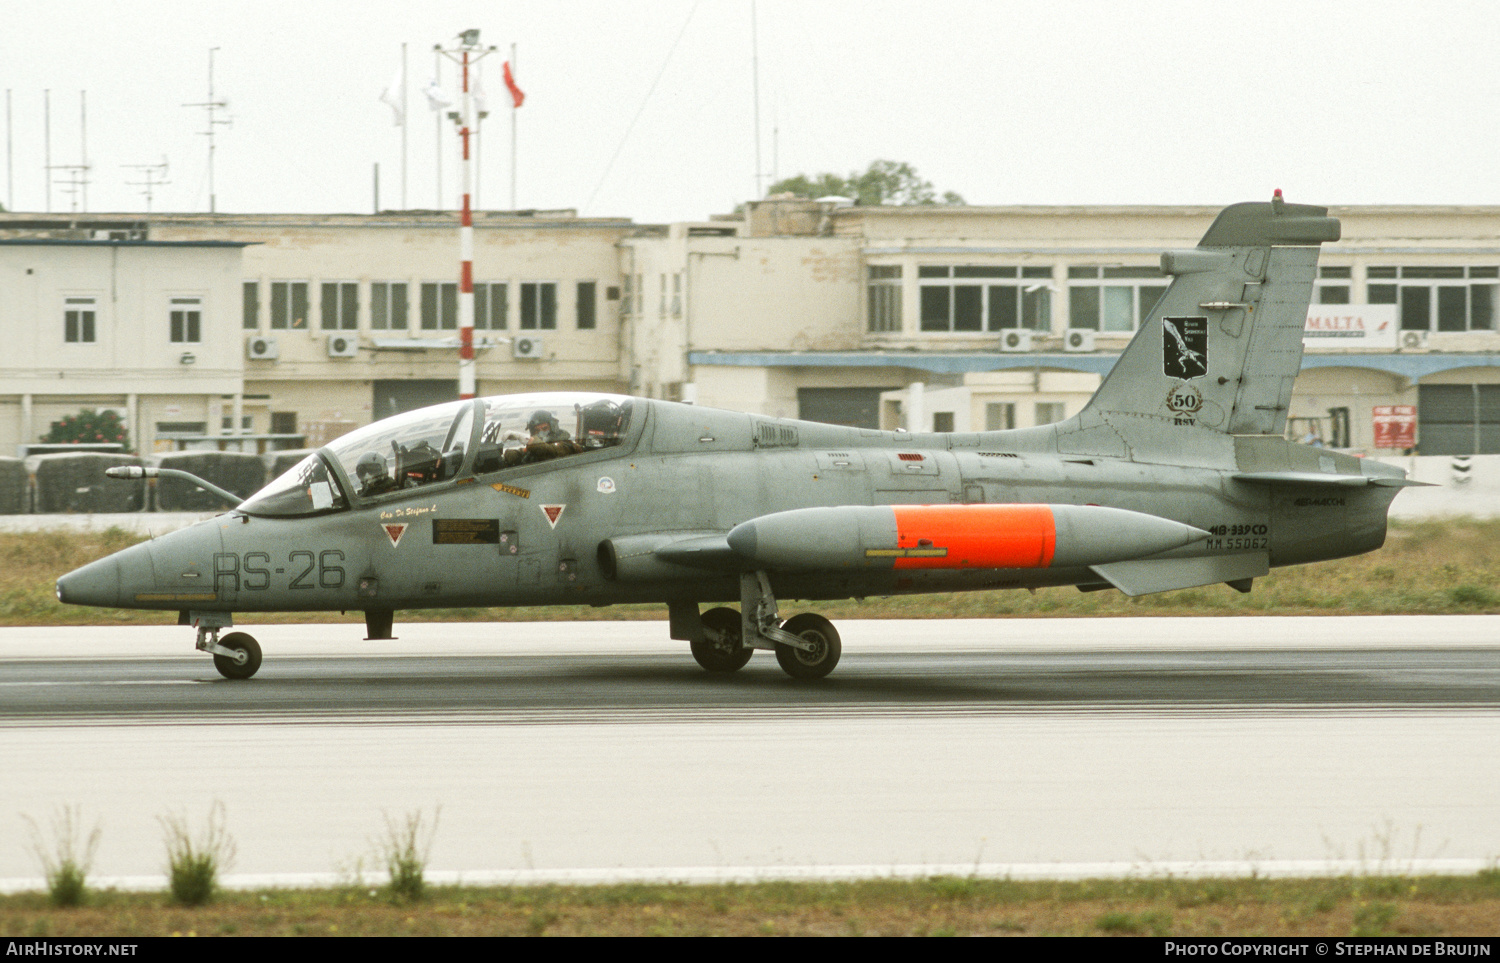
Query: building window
(539, 305)
(1437, 298)
(588, 308)
(187, 320)
(389, 307)
(885, 298)
(78, 320)
(1333, 285)
(491, 306)
(627, 297)
(942, 421)
(340, 306)
(252, 305)
(965, 298)
(1120, 304)
(661, 303)
(1048, 412)
(289, 305)
(439, 306)
(677, 295)
(999, 416)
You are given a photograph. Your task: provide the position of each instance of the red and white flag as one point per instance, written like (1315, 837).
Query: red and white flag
(517, 96)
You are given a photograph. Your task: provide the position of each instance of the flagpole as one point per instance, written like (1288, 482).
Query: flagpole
(405, 120)
(513, 108)
(437, 77)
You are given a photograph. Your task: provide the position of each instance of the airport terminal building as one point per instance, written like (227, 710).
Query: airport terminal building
(255, 332)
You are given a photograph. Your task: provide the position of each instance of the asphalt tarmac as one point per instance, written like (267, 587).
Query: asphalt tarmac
(600, 751)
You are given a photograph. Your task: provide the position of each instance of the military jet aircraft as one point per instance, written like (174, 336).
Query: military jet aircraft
(1174, 475)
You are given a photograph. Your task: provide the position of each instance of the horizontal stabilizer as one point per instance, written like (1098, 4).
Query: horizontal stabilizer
(1322, 478)
(1148, 576)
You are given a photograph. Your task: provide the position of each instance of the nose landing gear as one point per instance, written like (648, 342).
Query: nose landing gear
(236, 656)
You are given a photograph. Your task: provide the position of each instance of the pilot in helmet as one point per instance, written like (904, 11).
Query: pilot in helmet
(373, 477)
(547, 440)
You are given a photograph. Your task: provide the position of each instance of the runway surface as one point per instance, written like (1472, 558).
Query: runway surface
(599, 750)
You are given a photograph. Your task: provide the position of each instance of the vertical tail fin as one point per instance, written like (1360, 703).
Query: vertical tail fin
(1222, 347)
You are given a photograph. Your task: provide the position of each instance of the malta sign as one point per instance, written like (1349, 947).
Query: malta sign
(1340, 327)
(1395, 426)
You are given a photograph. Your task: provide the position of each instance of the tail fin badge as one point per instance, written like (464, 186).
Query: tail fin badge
(1184, 345)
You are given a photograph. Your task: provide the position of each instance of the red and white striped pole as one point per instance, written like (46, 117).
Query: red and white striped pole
(468, 52)
(466, 383)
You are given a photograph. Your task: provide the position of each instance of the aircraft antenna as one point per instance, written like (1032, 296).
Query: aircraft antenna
(467, 52)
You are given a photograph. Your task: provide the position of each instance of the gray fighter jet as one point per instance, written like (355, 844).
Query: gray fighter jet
(1175, 475)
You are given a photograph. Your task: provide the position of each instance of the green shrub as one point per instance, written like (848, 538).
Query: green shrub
(404, 850)
(67, 861)
(193, 865)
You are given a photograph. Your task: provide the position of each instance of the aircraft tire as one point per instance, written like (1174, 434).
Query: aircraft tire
(810, 665)
(728, 656)
(241, 642)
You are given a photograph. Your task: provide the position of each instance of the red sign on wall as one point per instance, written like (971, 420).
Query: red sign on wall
(1395, 426)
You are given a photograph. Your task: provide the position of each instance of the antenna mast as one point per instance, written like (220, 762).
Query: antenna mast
(465, 54)
(212, 107)
(156, 176)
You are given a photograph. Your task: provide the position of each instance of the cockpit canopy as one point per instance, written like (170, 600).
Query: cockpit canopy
(444, 443)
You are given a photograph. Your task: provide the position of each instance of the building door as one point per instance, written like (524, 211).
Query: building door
(397, 397)
(855, 407)
(1458, 419)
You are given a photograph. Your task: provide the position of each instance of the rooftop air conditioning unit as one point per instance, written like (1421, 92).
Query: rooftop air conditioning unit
(343, 346)
(1079, 339)
(261, 349)
(527, 347)
(1015, 339)
(1414, 340)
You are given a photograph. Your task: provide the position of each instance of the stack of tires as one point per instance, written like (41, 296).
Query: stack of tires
(15, 487)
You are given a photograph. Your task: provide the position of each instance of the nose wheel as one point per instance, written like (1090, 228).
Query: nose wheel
(237, 656)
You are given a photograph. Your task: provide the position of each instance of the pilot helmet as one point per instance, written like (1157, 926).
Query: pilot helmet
(602, 420)
(371, 465)
(539, 418)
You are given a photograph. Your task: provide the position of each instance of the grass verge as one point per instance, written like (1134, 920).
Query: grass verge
(942, 906)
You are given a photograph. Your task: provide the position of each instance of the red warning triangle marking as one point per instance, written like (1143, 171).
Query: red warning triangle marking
(553, 513)
(394, 532)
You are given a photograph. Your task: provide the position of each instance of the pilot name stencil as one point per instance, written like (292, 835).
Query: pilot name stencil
(1184, 347)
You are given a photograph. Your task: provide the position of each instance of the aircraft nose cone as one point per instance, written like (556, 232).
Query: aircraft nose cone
(97, 583)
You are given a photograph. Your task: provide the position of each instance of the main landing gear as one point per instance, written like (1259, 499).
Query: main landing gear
(236, 655)
(807, 646)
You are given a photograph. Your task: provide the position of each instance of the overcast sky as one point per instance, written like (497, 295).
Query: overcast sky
(1004, 102)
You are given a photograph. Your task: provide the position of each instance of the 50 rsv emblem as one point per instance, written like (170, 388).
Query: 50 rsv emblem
(1184, 347)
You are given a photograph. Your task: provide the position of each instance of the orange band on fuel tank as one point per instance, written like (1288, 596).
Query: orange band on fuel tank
(974, 536)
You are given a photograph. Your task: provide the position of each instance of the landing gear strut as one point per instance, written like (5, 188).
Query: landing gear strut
(237, 655)
(807, 646)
